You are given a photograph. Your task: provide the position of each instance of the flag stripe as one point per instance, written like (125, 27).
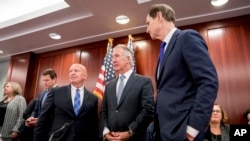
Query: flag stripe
(106, 73)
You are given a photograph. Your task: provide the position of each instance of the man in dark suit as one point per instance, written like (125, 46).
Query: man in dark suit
(73, 109)
(186, 79)
(49, 78)
(25, 133)
(125, 115)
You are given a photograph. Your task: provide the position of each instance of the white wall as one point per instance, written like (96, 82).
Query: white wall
(3, 75)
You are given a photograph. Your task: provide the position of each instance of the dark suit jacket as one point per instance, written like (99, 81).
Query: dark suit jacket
(187, 86)
(38, 106)
(37, 110)
(26, 133)
(59, 104)
(28, 111)
(136, 107)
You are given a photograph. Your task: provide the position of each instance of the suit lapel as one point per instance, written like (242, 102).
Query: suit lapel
(113, 94)
(169, 49)
(129, 84)
(68, 100)
(157, 74)
(85, 102)
(41, 100)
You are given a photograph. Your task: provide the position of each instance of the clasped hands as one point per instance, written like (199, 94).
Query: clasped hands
(31, 121)
(117, 136)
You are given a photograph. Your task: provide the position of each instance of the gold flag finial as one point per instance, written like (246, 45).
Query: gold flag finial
(130, 37)
(111, 41)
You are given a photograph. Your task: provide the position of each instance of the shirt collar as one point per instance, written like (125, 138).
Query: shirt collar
(127, 74)
(51, 87)
(74, 88)
(170, 34)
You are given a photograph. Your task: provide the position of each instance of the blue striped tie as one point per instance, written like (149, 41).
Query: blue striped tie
(77, 103)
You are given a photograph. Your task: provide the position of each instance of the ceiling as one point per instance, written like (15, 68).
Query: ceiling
(87, 21)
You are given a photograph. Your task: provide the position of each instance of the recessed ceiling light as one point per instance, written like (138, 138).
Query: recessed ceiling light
(218, 2)
(142, 1)
(55, 36)
(122, 19)
(1, 51)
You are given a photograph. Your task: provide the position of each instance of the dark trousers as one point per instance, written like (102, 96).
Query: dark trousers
(26, 133)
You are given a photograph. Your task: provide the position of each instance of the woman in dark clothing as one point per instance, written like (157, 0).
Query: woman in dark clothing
(218, 130)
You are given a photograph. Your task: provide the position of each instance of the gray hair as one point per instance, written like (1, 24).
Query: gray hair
(126, 52)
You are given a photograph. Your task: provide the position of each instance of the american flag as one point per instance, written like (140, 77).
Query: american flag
(106, 73)
(131, 47)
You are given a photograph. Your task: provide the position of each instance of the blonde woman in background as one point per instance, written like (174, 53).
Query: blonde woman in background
(11, 111)
(218, 130)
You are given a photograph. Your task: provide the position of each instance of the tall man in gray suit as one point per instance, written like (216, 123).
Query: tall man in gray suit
(128, 104)
(73, 109)
(186, 79)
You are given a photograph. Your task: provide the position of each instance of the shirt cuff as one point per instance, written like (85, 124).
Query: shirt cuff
(192, 132)
(105, 131)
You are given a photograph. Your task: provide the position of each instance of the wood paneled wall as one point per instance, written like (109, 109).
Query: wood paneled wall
(20, 70)
(60, 61)
(228, 43)
(230, 50)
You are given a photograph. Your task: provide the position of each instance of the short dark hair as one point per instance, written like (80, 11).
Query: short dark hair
(50, 72)
(167, 12)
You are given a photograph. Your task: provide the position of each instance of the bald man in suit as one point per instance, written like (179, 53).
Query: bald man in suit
(74, 110)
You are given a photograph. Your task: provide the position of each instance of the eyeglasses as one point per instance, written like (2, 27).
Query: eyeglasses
(217, 111)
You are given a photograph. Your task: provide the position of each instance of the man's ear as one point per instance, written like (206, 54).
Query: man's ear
(159, 17)
(128, 59)
(85, 76)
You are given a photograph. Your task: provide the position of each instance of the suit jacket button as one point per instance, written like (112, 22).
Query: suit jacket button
(116, 111)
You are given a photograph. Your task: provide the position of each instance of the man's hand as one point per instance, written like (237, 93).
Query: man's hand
(190, 138)
(31, 121)
(117, 136)
(110, 136)
(14, 135)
